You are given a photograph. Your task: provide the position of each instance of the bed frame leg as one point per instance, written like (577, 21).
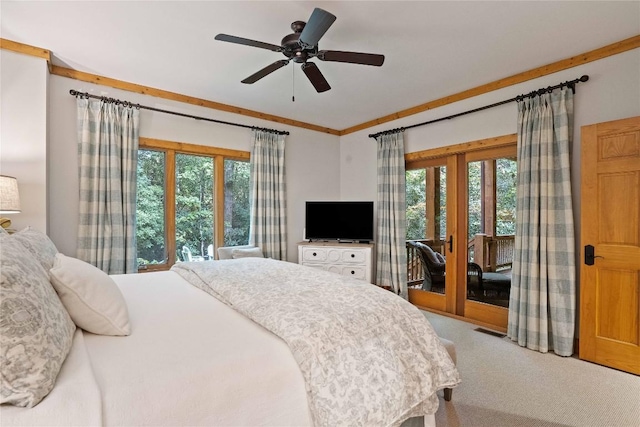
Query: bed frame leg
(447, 394)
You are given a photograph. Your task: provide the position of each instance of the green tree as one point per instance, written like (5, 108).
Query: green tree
(150, 207)
(236, 202)
(506, 182)
(506, 173)
(474, 182)
(194, 203)
(416, 204)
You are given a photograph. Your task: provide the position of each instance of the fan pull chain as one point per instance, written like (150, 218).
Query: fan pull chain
(293, 84)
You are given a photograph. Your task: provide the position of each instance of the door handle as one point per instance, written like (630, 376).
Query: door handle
(590, 255)
(450, 242)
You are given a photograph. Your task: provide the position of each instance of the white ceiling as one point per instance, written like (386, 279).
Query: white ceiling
(432, 49)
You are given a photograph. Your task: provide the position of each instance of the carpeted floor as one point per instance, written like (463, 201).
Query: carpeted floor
(504, 384)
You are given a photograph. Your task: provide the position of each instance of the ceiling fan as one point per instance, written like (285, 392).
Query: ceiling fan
(301, 46)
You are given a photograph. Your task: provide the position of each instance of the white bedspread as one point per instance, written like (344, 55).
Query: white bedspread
(191, 360)
(367, 356)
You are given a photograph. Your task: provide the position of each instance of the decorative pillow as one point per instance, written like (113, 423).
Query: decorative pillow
(91, 297)
(226, 252)
(36, 331)
(247, 253)
(39, 244)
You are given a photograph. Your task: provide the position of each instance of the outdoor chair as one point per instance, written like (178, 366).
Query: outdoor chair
(433, 264)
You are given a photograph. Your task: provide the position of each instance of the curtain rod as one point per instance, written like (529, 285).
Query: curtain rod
(571, 84)
(175, 113)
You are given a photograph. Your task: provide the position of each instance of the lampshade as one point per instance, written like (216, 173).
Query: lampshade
(9, 197)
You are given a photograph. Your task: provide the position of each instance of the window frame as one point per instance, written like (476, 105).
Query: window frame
(170, 149)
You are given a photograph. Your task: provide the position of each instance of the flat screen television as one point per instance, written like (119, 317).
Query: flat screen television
(339, 221)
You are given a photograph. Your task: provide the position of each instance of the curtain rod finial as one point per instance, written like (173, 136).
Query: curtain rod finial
(584, 78)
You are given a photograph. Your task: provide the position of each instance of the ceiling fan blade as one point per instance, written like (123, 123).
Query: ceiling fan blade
(318, 24)
(315, 77)
(247, 42)
(265, 71)
(351, 57)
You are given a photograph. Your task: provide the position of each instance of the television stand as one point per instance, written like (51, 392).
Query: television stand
(346, 258)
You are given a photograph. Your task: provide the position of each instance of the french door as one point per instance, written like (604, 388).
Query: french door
(462, 206)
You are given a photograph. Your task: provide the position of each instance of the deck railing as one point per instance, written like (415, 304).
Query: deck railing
(492, 253)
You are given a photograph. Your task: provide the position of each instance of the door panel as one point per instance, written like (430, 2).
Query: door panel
(427, 212)
(610, 212)
(490, 233)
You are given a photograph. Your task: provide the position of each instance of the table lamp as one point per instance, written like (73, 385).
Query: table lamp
(9, 199)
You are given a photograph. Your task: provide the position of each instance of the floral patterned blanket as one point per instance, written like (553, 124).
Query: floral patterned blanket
(368, 357)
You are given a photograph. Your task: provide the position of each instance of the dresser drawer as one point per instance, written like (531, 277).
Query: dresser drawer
(314, 255)
(357, 272)
(354, 256)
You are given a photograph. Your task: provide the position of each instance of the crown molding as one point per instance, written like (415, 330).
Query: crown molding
(574, 61)
(27, 50)
(583, 58)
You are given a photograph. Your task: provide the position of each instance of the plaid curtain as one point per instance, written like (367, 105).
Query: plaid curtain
(268, 226)
(391, 265)
(108, 157)
(542, 303)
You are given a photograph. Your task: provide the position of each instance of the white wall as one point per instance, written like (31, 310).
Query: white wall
(313, 170)
(23, 134)
(612, 92)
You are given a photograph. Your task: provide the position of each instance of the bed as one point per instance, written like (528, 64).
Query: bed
(197, 353)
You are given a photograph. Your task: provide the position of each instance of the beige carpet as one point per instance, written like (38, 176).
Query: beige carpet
(504, 384)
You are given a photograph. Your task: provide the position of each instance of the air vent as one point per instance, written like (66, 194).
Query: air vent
(488, 332)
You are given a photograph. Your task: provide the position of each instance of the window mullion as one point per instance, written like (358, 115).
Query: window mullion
(218, 197)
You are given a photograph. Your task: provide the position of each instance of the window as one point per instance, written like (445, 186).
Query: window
(191, 199)
(150, 231)
(194, 206)
(236, 202)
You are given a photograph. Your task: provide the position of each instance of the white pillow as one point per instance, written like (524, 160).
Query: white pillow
(226, 252)
(247, 253)
(92, 298)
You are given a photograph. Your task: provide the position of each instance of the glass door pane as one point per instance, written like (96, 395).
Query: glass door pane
(194, 207)
(426, 190)
(491, 229)
(150, 212)
(236, 202)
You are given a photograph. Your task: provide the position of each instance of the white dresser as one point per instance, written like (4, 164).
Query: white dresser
(348, 259)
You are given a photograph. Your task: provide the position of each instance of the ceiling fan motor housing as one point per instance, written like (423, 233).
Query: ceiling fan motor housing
(292, 47)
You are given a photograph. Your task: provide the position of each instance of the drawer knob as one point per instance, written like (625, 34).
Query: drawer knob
(353, 255)
(353, 272)
(314, 254)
